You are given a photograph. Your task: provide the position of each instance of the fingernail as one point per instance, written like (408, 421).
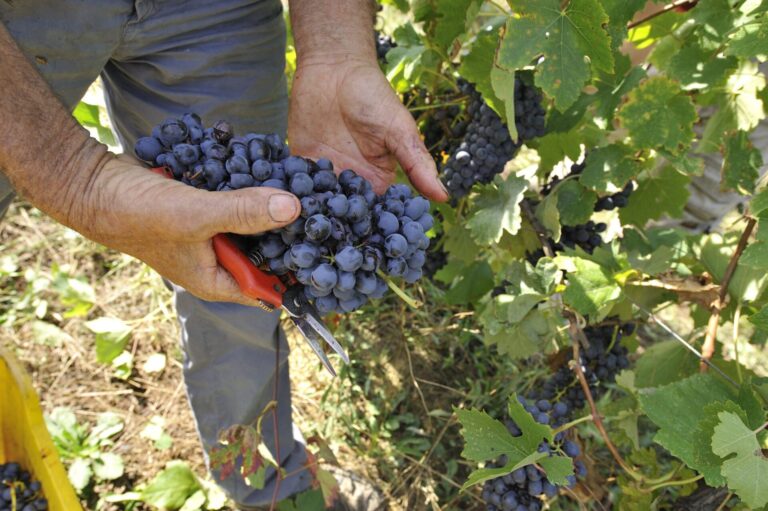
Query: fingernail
(440, 182)
(281, 207)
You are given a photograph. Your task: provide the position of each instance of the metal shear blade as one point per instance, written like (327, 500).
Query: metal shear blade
(311, 326)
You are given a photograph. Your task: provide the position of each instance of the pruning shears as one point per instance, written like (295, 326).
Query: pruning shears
(246, 265)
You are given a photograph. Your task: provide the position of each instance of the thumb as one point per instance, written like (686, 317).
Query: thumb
(249, 211)
(404, 142)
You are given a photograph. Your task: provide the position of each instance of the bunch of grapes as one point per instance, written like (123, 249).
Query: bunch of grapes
(346, 234)
(601, 362)
(523, 488)
(18, 492)
(587, 235)
(384, 43)
(443, 129)
(487, 145)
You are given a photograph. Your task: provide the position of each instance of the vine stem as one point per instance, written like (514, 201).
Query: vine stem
(680, 482)
(412, 302)
(576, 335)
(541, 232)
(278, 472)
(708, 349)
(569, 425)
(663, 10)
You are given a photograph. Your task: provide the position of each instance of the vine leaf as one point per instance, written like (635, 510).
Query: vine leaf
(557, 468)
(571, 39)
(503, 82)
(760, 318)
(454, 16)
(591, 290)
(663, 363)
(497, 209)
(662, 190)
(475, 281)
(609, 168)
(759, 202)
(707, 462)
(574, 202)
(756, 256)
(658, 115)
(751, 37)
(747, 472)
(476, 67)
(678, 409)
(741, 163)
(486, 438)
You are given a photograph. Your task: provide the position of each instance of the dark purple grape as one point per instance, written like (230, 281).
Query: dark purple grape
(148, 148)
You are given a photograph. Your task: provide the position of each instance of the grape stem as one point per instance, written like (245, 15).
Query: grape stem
(663, 10)
(412, 302)
(708, 349)
(569, 425)
(576, 335)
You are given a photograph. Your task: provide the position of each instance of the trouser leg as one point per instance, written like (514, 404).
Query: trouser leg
(221, 60)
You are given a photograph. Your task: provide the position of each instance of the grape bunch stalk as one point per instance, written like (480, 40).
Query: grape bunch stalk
(346, 238)
(487, 145)
(18, 492)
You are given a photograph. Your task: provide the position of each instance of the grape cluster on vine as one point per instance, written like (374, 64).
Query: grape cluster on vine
(18, 492)
(384, 43)
(554, 403)
(587, 236)
(487, 146)
(345, 236)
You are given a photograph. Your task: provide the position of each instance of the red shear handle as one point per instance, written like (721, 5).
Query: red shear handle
(253, 282)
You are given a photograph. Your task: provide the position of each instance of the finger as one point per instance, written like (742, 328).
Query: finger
(204, 278)
(249, 211)
(403, 140)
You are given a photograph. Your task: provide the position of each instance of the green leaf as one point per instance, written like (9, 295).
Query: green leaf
(557, 468)
(108, 466)
(707, 462)
(477, 64)
(497, 209)
(756, 256)
(747, 283)
(760, 318)
(741, 163)
(556, 146)
(658, 115)
(475, 281)
(749, 39)
(678, 408)
(107, 425)
(530, 336)
(549, 216)
(171, 487)
(759, 202)
(751, 402)
(503, 82)
(609, 168)
(612, 88)
(79, 473)
(574, 202)
(661, 191)
(454, 17)
(88, 115)
(570, 39)
(699, 68)
(591, 290)
(747, 472)
(195, 502)
(663, 363)
(111, 337)
(49, 334)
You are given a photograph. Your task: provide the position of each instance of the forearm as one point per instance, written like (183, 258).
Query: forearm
(49, 158)
(333, 31)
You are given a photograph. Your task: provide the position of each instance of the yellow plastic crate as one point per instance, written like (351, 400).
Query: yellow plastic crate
(25, 439)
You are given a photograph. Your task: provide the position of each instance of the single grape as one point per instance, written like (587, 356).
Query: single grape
(304, 255)
(294, 165)
(395, 245)
(261, 170)
(324, 277)
(301, 184)
(237, 164)
(387, 223)
(148, 148)
(317, 227)
(349, 259)
(238, 181)
(337, 205)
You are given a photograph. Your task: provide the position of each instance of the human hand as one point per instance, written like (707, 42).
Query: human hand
(347, 112)
(169, 225)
